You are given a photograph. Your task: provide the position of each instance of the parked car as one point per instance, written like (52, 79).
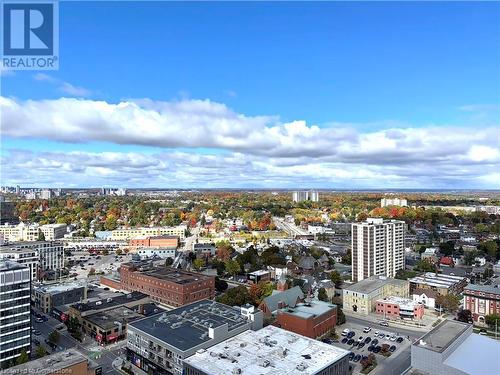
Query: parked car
(60, 326)
(39, 320)
(367, 340)
(377, 349)
(399, 339)
(357, 358)
(374, 342)
(351, 355)
(36, 333)
(350, 342)
(367, 329)
(326, 341)
(36, 342)
(384, 323)
(381, 335)
(393, 338)
(351, 334)
(360, 345)
(392, 348)
(370, 348)
(344, 340)
(376, 333)
(345, 332)
(387, 337)
(360, 338)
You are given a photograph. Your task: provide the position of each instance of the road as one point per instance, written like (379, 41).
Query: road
(291, 229)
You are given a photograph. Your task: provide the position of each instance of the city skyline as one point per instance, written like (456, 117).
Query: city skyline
(324, 96)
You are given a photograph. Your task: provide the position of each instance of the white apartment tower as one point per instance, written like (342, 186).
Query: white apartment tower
(377, 248)
(384, 202)
(300, 196)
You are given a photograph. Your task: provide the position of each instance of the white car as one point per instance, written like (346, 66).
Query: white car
(393, 338)
(367, 329)
(345, 332)
(376, 333)
(387, 337)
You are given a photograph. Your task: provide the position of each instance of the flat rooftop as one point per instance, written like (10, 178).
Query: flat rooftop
(54, 363)
(8, 265)
(309, 310)
(175, 275)
(188, 326)
(112, 301)
(439, 338)
(57, 288)
(270, 351)
(106, 319)
(437, 280)
(373, 283)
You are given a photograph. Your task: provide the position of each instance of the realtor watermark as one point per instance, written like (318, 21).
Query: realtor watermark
(30, 35)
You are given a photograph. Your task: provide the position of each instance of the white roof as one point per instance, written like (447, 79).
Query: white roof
(477, 355)
(268, 351)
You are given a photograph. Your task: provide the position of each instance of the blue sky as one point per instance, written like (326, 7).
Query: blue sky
(361, 72)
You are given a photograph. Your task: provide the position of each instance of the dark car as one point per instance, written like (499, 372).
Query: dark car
(326, 341)
(399, 340)
(370, 348)
(361, 344)
(374, 342)
(367, 340)
(350, 342)
(351, 334)
(351, 355)
(377, 349)
(357, 358)
(344, 340)
(392, 348)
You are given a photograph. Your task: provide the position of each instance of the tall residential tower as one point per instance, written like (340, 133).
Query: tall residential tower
(377, 248)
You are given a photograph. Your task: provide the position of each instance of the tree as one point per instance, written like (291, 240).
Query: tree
(238, 296)
(322, 296)
(41, 236)
(346, 258)
(425, 265)
(23, 358)
(232, 267)
(169, 261)
(54, 337)
(198, 264)
(92, 271)
(340, 316)
(448, 302)
(368, 361)
(336, 278)
(118, 252)
(40, 351)
(447, 248)
(105, 252)
(464, 316)
(490, 248)
(219, 266)
(492, 320)
(220, 285)
(405, 274)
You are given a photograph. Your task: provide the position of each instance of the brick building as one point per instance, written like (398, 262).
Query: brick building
(481, 300)
(311, 319)
(156, 241)
(396, 307)
(170, 286)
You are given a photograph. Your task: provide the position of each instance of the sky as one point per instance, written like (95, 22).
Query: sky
(323, 95)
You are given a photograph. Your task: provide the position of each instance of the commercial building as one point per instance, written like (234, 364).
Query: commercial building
(129, 233)
(451, 348)
(384, 202)
(481, 300)
(71, 362)
(31, 232)
(260, 275)
(109, 326)
(156, 241)
(46, 297)
(157, 252)
(310, 319)
(397, 307)
(15, 311)
(204, 250)
(25, 256)
(377, 248)
(160, 343)
(53, 232)
(170, 286)
(440, 283)
(362, 297)
(270, 350)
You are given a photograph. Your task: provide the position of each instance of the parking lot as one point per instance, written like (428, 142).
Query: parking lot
(384, 342)
(83, 262)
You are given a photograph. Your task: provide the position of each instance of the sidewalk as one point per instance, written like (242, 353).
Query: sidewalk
(392, 323)
(117, 365)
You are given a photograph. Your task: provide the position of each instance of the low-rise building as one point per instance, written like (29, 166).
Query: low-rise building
(425, 296)
(204, 250)
(481, 300)
(154, 241)
(70, 361)
(451, 348)
(362, 296)
(109, 326)
(53, 232)
(157, 252)
(160, 343)
(166, 285)
(46, 297)
(441, 283)
(399, 308)
(129, 233)
(280, 299)
(310, 319)
(260, 275)
(270, 350)
(277, 272)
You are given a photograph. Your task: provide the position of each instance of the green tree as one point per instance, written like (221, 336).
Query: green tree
(23, 358)
(40, 351)
(490, 248)
(322, 296)
(118, 252)
(198, 264)
(340, 316)
(424, 265)
(236, 297)
(54, 337)
(169, 262)
(41, 236)
(492, 320)
(447, 248)
(336, 278)
(405, 274)
(220, 285)
(232, 267)
(105, 252)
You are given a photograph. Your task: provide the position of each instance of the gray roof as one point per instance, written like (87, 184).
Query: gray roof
(373, 283)
(483, 288)
(307, 263)
(288, 297)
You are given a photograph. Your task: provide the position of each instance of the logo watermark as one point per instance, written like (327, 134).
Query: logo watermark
(30, 35)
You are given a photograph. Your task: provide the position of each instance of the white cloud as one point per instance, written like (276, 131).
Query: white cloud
(65, 87)
(256, 150)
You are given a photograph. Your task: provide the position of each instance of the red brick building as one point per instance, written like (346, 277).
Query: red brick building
(157, 241)
(397, 307)
(312, 319)
(170, 286)
(481, 300)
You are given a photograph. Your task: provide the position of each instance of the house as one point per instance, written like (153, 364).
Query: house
(447, 262)
(308, 264)
(278, 300)
(425, 296)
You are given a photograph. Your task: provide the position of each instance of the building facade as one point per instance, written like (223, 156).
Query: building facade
(156, 252)
(170, 286)
(310, 319)
(440, 283)
(397, 307)
(122, 234)
(25, 256)
(15, 311)
(384, 202)
(481, 300)
(47, 297)
(377, 248)
(157, 241)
